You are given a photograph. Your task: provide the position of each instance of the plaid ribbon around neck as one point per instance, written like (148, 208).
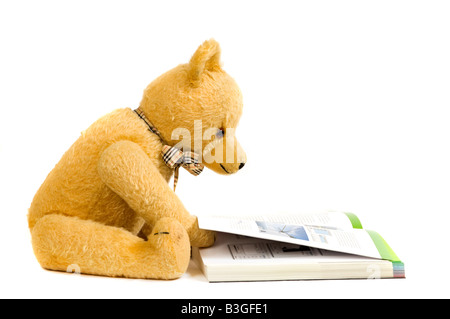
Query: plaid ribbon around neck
(174, 157)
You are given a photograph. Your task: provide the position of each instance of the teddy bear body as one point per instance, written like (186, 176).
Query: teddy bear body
(107, 209)
(67, 213)
(76, 176)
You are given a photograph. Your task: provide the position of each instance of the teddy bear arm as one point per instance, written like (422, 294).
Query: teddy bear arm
(127, 170)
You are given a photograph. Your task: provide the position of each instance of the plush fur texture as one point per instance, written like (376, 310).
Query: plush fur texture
(107, 207)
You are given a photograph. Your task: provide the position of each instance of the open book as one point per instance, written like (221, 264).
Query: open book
(293, 247)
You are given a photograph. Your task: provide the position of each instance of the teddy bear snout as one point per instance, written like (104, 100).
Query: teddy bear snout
(241, 165)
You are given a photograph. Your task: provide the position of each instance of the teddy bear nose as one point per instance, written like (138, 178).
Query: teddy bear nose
(241, 165)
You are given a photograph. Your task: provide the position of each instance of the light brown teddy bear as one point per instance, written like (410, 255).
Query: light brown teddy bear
(107, 208)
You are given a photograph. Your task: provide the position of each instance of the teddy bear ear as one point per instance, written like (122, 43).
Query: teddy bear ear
(207, 57)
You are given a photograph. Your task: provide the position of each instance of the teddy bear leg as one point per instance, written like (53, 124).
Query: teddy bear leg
(68, 243)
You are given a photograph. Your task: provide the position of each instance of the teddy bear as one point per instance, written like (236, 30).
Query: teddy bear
(107, 208)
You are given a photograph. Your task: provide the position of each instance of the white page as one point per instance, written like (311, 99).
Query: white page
(328, 231)
(232, 249)
(333, 219)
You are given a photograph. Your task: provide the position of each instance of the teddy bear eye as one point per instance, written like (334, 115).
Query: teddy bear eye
(220, 133)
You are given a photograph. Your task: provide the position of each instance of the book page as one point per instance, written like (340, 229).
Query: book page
(330, 231)
(241, 258)
(334, 219)
(231, 248)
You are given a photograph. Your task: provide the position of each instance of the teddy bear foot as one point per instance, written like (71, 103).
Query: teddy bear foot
(168, 247)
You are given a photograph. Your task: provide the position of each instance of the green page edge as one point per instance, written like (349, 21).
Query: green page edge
(384, 249)
(356, 223)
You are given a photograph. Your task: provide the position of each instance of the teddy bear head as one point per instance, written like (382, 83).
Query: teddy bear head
(197, 106)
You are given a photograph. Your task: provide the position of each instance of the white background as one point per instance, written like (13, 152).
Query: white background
(346, 108)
